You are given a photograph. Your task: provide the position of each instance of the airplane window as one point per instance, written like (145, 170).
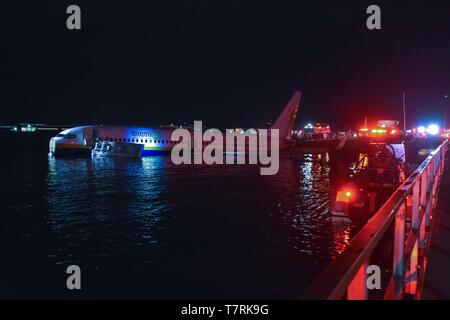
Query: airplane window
(145, 140)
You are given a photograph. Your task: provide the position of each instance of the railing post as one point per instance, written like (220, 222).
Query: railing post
(438, 175)
(428, 194)
(423, 190)
(434, 182)
(357, 289)
(420, 240)
(444, 150)
(412, 274)
(424, 206)
(415, 208)
(422, 232)
(399, 242)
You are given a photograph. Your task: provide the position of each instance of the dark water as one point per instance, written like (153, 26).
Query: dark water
(149, 229)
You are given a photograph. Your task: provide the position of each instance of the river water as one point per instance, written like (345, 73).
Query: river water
(149, 229)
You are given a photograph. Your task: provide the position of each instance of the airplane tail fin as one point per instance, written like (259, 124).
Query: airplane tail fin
(286, 121)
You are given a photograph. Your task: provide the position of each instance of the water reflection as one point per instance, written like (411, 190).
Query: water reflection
(104, 200)
(152, 217)
(341, 237)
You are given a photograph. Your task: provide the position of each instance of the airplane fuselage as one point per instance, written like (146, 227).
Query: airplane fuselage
(157, 140)
(81, 140)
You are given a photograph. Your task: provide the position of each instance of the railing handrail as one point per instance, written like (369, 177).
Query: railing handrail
(333, 282)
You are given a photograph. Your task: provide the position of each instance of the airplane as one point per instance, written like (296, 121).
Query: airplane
(154, 140)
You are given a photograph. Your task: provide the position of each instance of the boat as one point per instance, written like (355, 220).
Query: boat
(380, 169)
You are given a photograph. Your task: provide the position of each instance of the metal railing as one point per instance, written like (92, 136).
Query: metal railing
(411, 203)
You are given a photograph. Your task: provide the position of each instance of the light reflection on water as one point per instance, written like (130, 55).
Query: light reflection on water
(185, 231)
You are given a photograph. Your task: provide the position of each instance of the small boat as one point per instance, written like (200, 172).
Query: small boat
(379, 171)
(117, 149)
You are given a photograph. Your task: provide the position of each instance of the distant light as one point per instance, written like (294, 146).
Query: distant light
(348, 194)
(421, 129)
(432, 129)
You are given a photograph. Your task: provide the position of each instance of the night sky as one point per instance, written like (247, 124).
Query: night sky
(226, 62)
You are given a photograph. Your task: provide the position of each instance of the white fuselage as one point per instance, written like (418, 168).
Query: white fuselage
(82, 139)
